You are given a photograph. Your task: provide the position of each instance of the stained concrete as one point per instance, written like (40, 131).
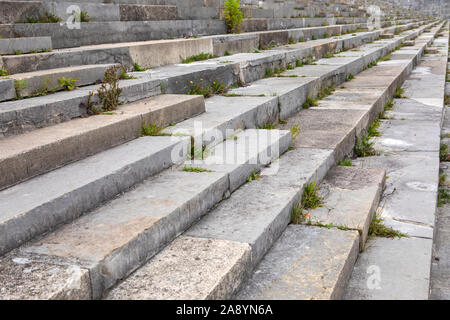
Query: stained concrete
(189, 268)
(305, 263)
(392, 269)
(351, 196)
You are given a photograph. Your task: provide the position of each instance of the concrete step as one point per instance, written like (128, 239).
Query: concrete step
(162, 207)
(18, 116)
(305, 263)
(148, 53)
(25, 45)
(28, 210)
(350, 197)
(37, 152)
(409, 151)
(38, 82)
(275, 193)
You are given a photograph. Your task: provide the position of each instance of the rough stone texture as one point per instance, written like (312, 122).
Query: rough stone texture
(42, 150)
(49, 79)
(305, 263)
(28, 210)
(259, 211)
(392, 269)
(329, 129)
(351, 196)
(113, 245)
(139, 12)
(20, 116)
(18, 11)
(7, 90)
(25, 45)
(24, 278)
(189, 268)
(96, 11)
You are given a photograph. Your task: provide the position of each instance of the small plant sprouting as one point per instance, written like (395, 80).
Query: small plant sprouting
(295, 131)
(310, 200)
(151, 129)
(349, 77)
(377, 229)
(443, 197)
(199, 57)
(19, 86)
(253, 176)
(399, 93)
(3, 72)
(138, 68)
(195, 169)
(364, 147)
(443, 153)
(310, 102)
(373, 128)
(109, 90)
(389, 105)
(46, 18)
(347, 162)
(67, 83)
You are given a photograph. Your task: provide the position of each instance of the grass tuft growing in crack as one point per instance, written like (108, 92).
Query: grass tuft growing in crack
(364, 147)
(378, 229)
(347, 162)
(310, 200)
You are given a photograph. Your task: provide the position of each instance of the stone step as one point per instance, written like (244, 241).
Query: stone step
(277, 190)
(38, 82)
(351, 196)
(305, 263)
(28, 209)
(161, 208)
(148, 53)
(25, 45)
(17, 116)
(37, 152)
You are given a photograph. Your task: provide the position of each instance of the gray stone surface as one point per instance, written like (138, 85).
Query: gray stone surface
(29, 210)
(351, 196)
(25, 278)
(392, 269)
(305, 263)
(259, 211)
(189, 268)
(38, 81)
(20, 116)
(7, 90)
(139, 12)
(24, 45)
(158, 210)
(14, 11)
(39, 151)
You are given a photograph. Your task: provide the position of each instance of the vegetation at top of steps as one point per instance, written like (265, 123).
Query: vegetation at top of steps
(310, 200)
(378, 229)
(233, 16)
(199, 57)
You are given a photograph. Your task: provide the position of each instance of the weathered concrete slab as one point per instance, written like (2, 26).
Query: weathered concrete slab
(408, 136)
(39, 81)
(18, 11)
(20, 116)
(189, 268)
(25, 45)
(7, 90)
(392, 269)
(305, 263)
(28, 210)
(411, 186)
(291, 92)
(152, 220)
(259, 211)
(23, 278)
(143, 12)
(29, 154)
(351, 196)
(226, 115)
(329, 129)
(410, 109)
